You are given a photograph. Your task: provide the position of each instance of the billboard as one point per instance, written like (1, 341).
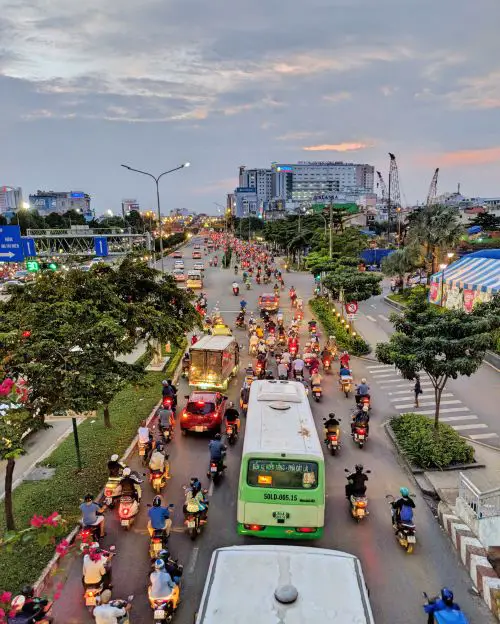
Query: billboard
(43, 203)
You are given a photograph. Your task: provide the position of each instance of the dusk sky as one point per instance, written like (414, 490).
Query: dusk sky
(85, 86)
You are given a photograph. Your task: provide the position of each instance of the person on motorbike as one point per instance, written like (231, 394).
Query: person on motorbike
(130, 485)
(240, 319)
(343, 374)
(332, 425)
(298, 367)
(166, 418)
(300, 303)
(33, 607)
(315, 379)
(236, 269)
(236, 287)
(403, 508)
(162, 584)
(292, 293)
(106, 613)
(243, 306)
(361, 419)
(159, 517)
(286, 358)
(313, 363)
(158, 461)
(276, 289)
(232, 416)
(282, 371)
(186, 361)
(94, 569)
(271, 342)
(145, 437)
(345, 359)
(169, 390)
(114, 466)
(356, 482)
(90, 513)
(195, 499)
(363, 390)
(253, 344)
(259, 332)
(279, 318)
(217, 451)
(262, 349)
(194, 337)
(445, 603)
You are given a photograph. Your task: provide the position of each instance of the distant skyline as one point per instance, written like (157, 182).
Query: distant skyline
(85, 87)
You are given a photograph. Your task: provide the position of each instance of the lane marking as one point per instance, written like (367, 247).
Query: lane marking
(378, 376)
(465, 417)
(192, 560)
(402, 385)
(402, 392)
(422, 396)
(483, 436)
(384, 318)
(446, 410)
(386, 366)
(370, 318)
(211, 488)
(465, 427)
(404, 405)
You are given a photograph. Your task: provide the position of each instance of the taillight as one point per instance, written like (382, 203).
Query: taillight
(361, 431)
(306, 530)
(254, 527)
(327, 363)
(361, 504)
(332, 436)
(125, 511)
(108, 492)
(90, 594)
(157, 540)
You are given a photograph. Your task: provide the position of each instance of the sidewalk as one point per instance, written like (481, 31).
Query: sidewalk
(42, 443)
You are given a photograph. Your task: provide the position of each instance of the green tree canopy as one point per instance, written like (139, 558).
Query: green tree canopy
(488, 221)
(401, 261)
(352, 285)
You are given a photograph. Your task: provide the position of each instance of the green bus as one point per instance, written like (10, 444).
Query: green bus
(281, 492)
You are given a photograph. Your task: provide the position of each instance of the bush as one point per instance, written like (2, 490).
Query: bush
(333, 327)
(428, 448)
(169, 242)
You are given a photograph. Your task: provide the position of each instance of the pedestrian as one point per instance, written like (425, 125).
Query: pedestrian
(417, 389)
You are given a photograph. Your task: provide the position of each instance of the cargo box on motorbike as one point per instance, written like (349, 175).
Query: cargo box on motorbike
(214, 360)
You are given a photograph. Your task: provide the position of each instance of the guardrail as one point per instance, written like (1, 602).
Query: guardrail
(482, 504)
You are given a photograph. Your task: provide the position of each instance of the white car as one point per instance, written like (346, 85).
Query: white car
(179, 275)
(198, 266)
(178, 264)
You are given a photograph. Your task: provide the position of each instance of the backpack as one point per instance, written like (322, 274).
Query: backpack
(450, 616)
(406, 514)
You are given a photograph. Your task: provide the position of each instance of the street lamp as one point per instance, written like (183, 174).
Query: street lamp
(442, 267)
(157, 180)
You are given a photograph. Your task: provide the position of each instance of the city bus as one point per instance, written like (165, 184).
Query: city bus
(281, 491)
(269, 584)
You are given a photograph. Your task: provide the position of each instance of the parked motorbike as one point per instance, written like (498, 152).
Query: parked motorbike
(231, 433)
(127, 511)
(317, 393)
(360, 436)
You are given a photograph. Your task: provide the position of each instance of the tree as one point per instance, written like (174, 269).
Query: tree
(400, 262)
(27, 219)
(55, 221)
(442, 343)
(3, 220)
(488, 221)
(349, 284)
(436, 229)
(135, 221)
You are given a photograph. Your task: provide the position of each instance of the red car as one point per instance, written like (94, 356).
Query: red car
(204, 411)
(177, 254)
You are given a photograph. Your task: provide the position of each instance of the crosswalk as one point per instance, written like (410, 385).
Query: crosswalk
(453, 412)
(374, 320)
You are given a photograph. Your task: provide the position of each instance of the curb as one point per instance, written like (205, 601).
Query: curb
(474, 557)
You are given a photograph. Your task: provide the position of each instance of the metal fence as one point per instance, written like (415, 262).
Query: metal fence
(483, 504)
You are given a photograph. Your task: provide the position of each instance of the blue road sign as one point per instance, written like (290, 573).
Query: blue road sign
(29, 248)
(11, 249)
(101, 246)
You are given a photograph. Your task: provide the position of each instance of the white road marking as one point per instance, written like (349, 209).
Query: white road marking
(384, 318)
(377, 376)
(211, 488)
(483, 436)
(192, 560)
(386, 366)
(465, 417)
(465, 427)
(403, 392)
(370, 318)
(404, 405)
(446, 410)
(401, 385)
(423, 397)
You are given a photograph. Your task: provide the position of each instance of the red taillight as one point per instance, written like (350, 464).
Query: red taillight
(125, 511)
(332, 436)
(108, 492)
(229, 430)
(360, 504)
(327, 363)
(200, 403)
(254, 527)
(157, 540)
(306, 530)
(361, 431)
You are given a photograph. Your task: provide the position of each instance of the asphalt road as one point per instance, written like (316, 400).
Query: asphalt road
(395, 580)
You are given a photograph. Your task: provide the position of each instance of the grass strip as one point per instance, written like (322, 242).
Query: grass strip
(333, 327)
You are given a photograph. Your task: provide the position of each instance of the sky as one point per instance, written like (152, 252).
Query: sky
(86, 86)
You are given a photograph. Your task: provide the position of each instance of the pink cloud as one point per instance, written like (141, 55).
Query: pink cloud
(227, 185)
(336, 147)
(472, 157)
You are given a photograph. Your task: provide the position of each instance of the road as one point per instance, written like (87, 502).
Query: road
(395, 579)
(469, 404)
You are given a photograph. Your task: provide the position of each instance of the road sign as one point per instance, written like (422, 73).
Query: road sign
(351, 307)
(351, 317)
(11, 249)
(101, 246)
(32, 266)
(28, 247)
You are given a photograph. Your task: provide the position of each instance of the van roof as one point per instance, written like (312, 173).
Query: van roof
(216, 343)
(279, 419)
(241, 579)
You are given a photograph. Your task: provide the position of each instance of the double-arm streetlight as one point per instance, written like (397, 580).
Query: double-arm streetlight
(157, 180)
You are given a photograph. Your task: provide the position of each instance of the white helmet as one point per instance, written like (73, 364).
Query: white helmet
(126, 472)
(363, 381)
(114, 457)
(365, 409)
(94, 546)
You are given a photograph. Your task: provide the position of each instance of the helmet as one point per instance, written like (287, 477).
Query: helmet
(404, 491)
(365, 408)
(217, 436)
(164, 382)
(447, 595)
(113, 457)
(157, 501)
(331, 337)
(331, 415)
(126, 472)
(27, 591)
(88, 497)
(94, 546)
(159, 564)
(105, 596)
(164, 553)
(158, 445)
(358, 467)
(344, 353)
(363, 380)
(230, 404)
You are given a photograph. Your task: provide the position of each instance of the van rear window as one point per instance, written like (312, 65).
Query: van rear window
(282, 474)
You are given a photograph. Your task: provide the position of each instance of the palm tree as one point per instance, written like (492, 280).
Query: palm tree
(400, 262)
(436, 229)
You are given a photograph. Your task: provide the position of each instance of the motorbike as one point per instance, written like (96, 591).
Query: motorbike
(449, 616)
(300, 315)
(327, 365)
(157, 479)
(157, 542)
(332, 439)
(405, 531)
(299, 376)
(143, 451)
(41, 610)
(364, 400)
(231, 433)
(163, 608)
(121, 604)
(360, 436)
(240, 322)
(317, 393)
(358, 504)
(236, 291)
(167, 433)
(127, 511)
(293, 348)
(216, 470)
(185, 369)
(346, 385)
(193, 520)
(112, 491)
(248, 285)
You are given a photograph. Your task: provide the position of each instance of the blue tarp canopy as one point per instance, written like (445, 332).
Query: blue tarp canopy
(475, 229)
(477, 271)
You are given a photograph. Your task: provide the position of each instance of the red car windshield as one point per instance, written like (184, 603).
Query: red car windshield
(200, 408)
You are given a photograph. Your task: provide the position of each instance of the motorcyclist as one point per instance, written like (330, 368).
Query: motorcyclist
(159, 517)
(259, 332)
(345, 359)
(315, 379)
(186, 361)
(236, 287)
(166, 418)
(356, 482)
(114, 466)
(162, 584)
(195, 499)
(232, 416)
(279, 317)
(240, 319)
(158, 461)
(169, 390)
(262, 349)
(363, 390)
(298, 367)
(217, 451)
(194, 337)
(331, 425)
(130, 485)
(361, 419)
(145, 437)
(276, 289)
(445, 603)
(106, 613)
(271, 342)
(403, 508)
(243, 306)
(236, 269)
(282, 371)
(33, 607)
(251, 321)
(92, 513)
(253, 344)
(313, 363)
(95, 570)
(300, 303)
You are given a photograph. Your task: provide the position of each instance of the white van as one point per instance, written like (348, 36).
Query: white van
(269, 584)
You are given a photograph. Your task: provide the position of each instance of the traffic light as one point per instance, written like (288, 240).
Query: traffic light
(52, 266)
(32, 266)
(317, 277)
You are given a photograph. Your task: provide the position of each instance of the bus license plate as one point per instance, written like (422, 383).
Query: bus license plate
(159, 614)
(199, 429)
(280, 515)
(411, 539)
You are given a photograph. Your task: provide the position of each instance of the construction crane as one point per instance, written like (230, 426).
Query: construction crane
(393, 197)
(431, 195)
(382, 186)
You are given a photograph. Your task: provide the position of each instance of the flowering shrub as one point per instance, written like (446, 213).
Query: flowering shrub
(15, 393)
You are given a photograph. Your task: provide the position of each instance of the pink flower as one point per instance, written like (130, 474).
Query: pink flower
(53, 519)
(62, 547)
(37, 521)
(2, 613)
(5, 596)
(57, 595)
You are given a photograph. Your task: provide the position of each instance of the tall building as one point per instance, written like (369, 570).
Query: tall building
(46, 202)
(246, 202)
(259, 179)
(11, 198)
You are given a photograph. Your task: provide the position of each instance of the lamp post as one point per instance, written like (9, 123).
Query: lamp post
(157, 180)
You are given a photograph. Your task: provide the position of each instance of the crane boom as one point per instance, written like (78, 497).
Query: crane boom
(382, 185)
(431, 195)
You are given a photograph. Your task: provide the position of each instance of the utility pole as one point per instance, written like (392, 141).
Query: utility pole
(331, 227)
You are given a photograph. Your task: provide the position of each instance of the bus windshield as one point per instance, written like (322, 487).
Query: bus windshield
(282, 474)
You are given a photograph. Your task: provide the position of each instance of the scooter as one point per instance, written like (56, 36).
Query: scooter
(236, 291)
(143, 451)
(127, 511)
(332, 439)
(346, 385)
(231, 433)
(327, 365)
(317, 393)
(112, 491)
(17, 617)
(216, 470)
(157, 542)
(163, 608)
(360, 436)
(448, 616)
(405, 531)
(358, 504)
(157, 479)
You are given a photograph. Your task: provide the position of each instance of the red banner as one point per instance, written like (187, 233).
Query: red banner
(469, 296)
